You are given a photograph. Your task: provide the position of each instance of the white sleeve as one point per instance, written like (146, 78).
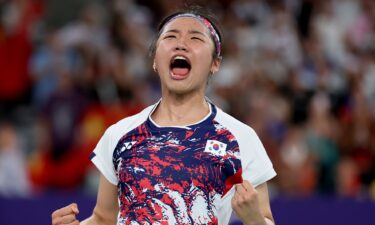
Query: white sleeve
(257, 167)
(102, 157)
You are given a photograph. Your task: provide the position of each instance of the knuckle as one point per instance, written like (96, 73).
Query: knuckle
(240, 201)
(249, 197)
(55, 213)
(234, 205)
(56, 221)
(70, 218)
(253, 195)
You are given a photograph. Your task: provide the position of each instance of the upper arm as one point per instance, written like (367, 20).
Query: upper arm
(264, 201)
(106, 208)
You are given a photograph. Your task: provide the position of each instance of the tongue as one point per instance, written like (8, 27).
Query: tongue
(180, 71)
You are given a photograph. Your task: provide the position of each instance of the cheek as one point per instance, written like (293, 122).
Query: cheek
(158, 57)
(206, 58)
(209, 52)
(160, 51)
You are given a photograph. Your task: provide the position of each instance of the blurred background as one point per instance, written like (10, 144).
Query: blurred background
(300, 72)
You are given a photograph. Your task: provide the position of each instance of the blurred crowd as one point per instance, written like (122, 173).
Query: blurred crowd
(300, 72)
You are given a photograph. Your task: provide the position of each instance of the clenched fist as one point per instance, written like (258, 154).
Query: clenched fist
(245, 203)
(66, 215)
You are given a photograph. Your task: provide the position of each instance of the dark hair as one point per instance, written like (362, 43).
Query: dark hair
(196, 10)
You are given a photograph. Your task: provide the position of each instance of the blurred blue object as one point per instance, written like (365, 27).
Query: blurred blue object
(287, 211)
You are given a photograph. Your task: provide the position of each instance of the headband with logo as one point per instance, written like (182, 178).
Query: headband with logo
(208, 24)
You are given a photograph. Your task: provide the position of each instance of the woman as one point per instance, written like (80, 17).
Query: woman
(182, 160)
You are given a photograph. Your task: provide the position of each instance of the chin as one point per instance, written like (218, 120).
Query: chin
(180, 90)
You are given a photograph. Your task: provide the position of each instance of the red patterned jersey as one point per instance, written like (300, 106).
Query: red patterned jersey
(182, 174)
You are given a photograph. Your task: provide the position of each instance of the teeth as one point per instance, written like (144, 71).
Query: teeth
(180, 57)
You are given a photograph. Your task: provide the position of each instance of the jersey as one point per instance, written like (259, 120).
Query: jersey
(183, 174)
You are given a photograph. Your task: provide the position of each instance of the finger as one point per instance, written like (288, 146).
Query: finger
(76, 222)
(70, 209)
(247, 185)
(238, 199)
(74, 208)
(240, 189)
(68, 219)
(65, 220)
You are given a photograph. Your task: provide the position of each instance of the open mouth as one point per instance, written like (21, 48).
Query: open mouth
(180, 66)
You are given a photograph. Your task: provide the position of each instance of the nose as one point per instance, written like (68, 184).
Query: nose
(181, 45)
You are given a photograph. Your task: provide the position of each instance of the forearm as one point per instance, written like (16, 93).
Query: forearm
(269, 221)
(93, 221)
(88, 221)
(98, 219)
(265, 221)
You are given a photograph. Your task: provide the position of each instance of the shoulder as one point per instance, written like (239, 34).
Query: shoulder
(232, 124)
(243, 133)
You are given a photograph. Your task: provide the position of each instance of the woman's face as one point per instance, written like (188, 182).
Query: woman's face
(184, 56)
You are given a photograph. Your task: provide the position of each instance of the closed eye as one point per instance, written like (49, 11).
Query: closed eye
(170, 36)
(197, 38)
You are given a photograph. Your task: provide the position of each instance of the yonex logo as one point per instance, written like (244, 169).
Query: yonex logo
(128, 145)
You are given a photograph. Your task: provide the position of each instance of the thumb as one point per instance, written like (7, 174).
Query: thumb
(74, 208)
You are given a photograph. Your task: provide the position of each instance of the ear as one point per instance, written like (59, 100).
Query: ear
(215, 67)
(154, 67)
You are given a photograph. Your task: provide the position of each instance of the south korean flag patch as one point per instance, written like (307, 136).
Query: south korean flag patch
(216, 148)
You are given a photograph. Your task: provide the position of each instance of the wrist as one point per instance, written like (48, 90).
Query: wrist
(259, 222)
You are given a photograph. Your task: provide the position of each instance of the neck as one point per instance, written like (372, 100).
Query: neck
(180, 110)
